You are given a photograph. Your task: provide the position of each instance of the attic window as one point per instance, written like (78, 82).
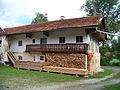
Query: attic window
(61, 39)
(79, 39)
(33, 40)
(43, 40)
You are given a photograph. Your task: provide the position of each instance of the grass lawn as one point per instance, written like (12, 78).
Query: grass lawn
(112, 87)
(11, 77)
(102, 74)
(117, 76)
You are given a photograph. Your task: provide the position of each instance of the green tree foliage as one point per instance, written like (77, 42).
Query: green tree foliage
(40, 18)
(111, 53)
(115, 48)
(110, 9)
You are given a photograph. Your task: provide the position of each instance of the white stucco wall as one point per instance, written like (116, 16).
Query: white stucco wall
(4, 48)
(0, 44)
(25, 56)
(70, 36)
(94, 48)
(93, 45)
(53, 38)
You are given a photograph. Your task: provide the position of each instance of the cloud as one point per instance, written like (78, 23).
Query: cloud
(5, 24)
(18, 12)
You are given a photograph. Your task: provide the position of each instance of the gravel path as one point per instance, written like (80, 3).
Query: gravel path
(90, 84)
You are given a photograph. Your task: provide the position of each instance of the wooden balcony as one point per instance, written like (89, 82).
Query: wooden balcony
(81, 48)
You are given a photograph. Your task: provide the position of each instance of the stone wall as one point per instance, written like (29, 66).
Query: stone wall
(73, 60)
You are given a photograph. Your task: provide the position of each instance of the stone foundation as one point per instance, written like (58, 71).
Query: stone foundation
(73, 60)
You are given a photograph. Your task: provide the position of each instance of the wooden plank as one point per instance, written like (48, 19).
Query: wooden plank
(29, 65)
(66, 70)
(41, 67)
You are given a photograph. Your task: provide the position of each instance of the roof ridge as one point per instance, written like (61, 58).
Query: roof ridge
(52, 21)
(50, 25)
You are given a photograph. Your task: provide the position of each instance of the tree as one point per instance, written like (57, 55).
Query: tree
(110, 9)
(40, 18)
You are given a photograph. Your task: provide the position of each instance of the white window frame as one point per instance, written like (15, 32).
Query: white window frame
(43, 58)
(43, 40)
(79, 39)
(62, 40)
(20, 43)
(34, 58)
(20, 57)
(33, 41)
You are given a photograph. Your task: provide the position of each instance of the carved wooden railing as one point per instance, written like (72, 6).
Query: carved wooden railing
(82, 48)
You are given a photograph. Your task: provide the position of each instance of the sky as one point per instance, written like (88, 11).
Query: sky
(21, 12)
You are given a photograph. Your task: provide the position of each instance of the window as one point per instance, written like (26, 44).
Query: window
(61, 39)
(19, 43)
(33, 58)
(79, 39)
(33, 40)
(0, 42)
(42, 58)
(43, 40)
(20, 57)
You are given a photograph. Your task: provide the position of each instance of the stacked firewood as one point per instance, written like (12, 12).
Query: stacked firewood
(68, 60)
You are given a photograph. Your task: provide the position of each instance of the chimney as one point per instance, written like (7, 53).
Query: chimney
(62, 17)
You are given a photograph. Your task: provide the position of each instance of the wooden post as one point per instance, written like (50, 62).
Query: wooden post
(85, 62)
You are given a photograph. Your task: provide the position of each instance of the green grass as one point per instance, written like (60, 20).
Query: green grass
(102, 74)
(35, 76)
(11, 77)
(112, 87)
(117, 76)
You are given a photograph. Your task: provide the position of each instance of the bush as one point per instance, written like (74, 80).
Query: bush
(105, 60)
(115, 62)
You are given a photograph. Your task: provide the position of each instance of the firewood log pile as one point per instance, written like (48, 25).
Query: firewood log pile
(68, 60)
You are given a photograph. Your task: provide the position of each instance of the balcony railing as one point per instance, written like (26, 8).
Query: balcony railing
(82, 48)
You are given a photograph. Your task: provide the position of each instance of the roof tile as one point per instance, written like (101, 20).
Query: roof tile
(54, 25)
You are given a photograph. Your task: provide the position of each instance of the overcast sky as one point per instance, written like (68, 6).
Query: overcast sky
(21, 12)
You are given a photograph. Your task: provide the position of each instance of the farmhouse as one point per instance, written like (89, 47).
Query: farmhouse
(64, 46)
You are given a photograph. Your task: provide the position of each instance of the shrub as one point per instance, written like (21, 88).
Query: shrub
(115, 62)
(105, 60)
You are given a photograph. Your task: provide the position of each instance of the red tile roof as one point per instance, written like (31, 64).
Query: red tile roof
(58, 24)
(2, 32)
